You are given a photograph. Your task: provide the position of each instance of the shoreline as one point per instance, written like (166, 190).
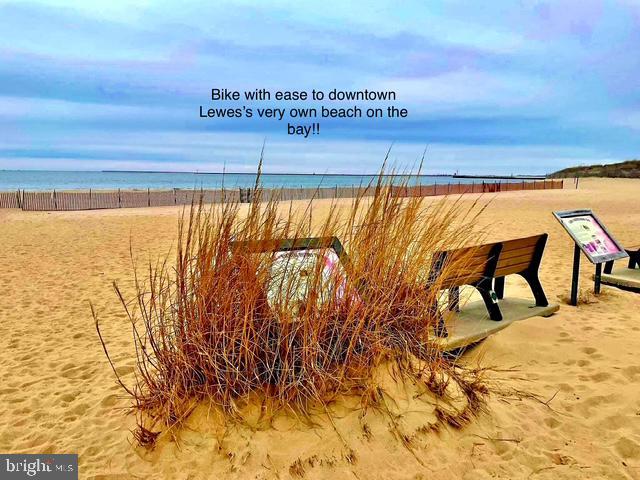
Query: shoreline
(109, 180)
(454, 181)
(60, 200)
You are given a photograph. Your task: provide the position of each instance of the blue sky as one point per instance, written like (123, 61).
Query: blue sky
(491, 87)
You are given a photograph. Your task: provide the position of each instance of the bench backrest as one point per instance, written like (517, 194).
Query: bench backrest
(492, 260)
(466, 265)
(520, 255)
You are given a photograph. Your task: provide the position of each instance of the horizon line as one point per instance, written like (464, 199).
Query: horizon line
(459, 175)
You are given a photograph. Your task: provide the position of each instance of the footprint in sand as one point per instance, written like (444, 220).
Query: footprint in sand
(600, 377)
(565, 339)
(614, 422)
(585, 407)
(68, 397)
(125, 370)
(632, 373)
(627, 448)
(590, 377)
(592, 352)
(551, 422)
(560, 459)
(80, 409)
(71, 372)
(109, 401)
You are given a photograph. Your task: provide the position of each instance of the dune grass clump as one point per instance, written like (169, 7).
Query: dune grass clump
(220, 324)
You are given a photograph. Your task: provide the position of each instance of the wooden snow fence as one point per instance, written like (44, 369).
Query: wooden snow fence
(92, 200)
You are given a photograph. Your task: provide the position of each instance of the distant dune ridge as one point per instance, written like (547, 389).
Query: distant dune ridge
(626, 169)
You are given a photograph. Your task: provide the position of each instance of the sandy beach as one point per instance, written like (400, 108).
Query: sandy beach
(59, 395)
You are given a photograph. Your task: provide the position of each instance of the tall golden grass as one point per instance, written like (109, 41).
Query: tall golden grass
(217, 325)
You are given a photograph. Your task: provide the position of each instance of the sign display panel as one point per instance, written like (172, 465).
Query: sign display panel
(301, 266)
(590, 235)
(294, 272)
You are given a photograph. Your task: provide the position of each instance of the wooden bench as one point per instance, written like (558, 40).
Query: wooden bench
(624, 278)
(474, 266)
(634, 260)
(522, 256)
(485, 267)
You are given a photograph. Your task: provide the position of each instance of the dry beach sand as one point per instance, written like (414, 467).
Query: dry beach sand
(58, 393)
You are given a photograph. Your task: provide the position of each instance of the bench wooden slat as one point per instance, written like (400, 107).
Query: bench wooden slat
(507, 247)
(518, 252)
(511, 263)
(475, 251)
(462, 277)
(511, 269)
(517, 255)
(473, 263)
(478, 253)
(520, 242)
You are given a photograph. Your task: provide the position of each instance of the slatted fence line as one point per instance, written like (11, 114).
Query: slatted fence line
(92, 200)
(10, 200)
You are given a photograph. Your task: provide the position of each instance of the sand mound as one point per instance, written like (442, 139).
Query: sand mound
(344, 437)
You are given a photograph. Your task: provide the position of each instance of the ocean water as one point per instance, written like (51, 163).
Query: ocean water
(34, 180)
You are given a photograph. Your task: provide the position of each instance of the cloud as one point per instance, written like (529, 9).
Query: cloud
(469, 89)
(239, 152)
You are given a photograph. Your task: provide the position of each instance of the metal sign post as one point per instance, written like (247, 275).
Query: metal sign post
(593, 239)
(575, 278)
(597, 278)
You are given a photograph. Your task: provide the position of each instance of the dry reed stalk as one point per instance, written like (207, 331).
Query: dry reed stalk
(205, 329)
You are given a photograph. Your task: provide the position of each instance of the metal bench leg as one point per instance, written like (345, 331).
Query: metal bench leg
(608, 267)
(536, 288)
(454, 299)
(499, 287)
(440, 328)
(490, 299)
